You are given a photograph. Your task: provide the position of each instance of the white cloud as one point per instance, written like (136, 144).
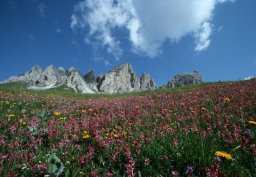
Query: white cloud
(220, 28)
(102, 17)
(103, 60)
(202, 37)
(249, 78)
(58, 30)
(149, 22)
(222, 1)
(41, 8)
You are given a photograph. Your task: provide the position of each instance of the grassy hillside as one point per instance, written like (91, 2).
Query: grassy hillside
(204, 130)
(19, 87)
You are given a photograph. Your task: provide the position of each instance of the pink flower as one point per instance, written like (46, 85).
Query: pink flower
(42, 167)
(130, 167)
(2, 157)
(108, 174)
(2, 142)
(13, 129)
(175, 142)
(82, 160)
(94, 173)
(175, 173)
(90, 152)
(127, 151)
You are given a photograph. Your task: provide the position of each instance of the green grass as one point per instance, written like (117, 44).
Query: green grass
(63, 91)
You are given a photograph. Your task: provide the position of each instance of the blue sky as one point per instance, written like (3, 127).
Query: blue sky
(165, 37)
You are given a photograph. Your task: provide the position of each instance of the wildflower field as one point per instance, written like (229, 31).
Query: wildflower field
(207, 131)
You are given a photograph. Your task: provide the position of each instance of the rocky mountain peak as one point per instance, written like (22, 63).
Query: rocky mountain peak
(51, 76)
(72, 70)
(36, 69)
(185, 79)
(125, 66)
(119, 80)
(146, 82)
(89, 77)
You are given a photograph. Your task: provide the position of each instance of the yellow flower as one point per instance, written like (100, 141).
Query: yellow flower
(115, 135)
(223, 154)
(62, 118)
(10, 115)
(252, 122)
(56, 113)
(90, 110)
(193, 111)
(226, 100)
(124, 133)
(204, 109)
(86, 135)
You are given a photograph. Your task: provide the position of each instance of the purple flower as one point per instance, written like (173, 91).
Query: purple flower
(217, 158)
(189, 170)
(250, 132)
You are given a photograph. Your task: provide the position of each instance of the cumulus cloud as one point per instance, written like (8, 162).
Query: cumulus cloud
(249, 78)
(202, 37)
(222, 1)
(103, 17)
(149, 22)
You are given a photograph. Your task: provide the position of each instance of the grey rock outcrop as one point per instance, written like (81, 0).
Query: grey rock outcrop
(28, 77)
(119, 80)
(179, 80)
(76, 81)
(147, 83)
(51, 77)
(90, 77)
(72, 70)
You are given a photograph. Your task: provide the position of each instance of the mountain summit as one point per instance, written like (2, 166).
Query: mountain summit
(119, 80)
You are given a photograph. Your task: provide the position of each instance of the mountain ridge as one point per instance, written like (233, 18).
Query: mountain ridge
(120, 79)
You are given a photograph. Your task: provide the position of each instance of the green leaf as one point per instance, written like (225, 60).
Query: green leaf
(67, 173)
(56, 167)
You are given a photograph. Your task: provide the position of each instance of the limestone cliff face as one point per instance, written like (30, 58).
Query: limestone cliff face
(185, 79)
(76, 81)
(28, 77)
(119, 80)
(51, 77)
(147, 83)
